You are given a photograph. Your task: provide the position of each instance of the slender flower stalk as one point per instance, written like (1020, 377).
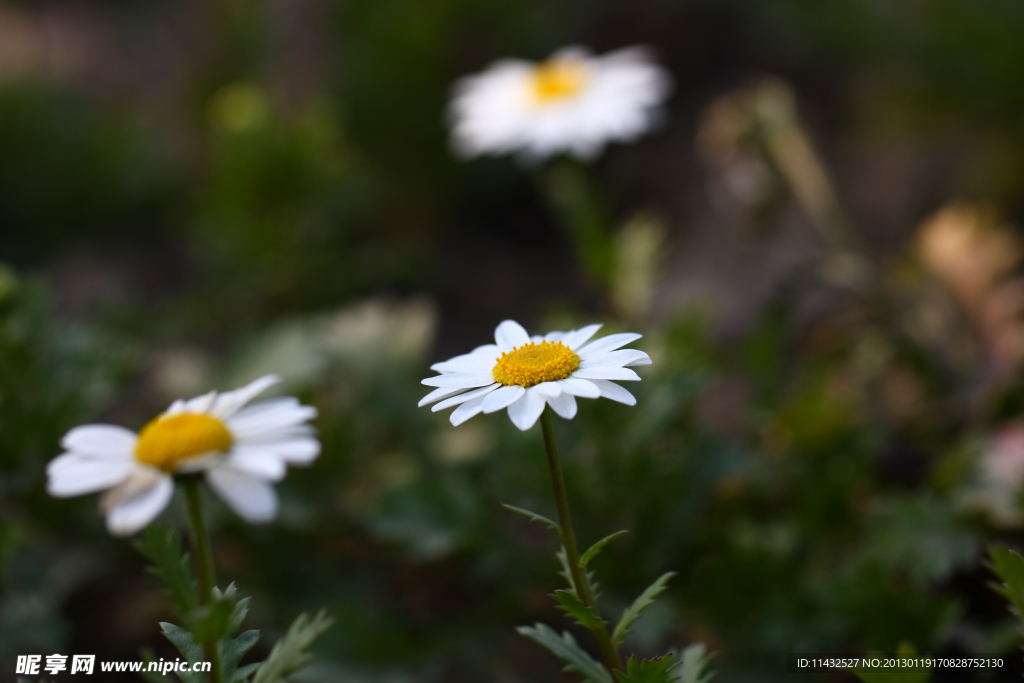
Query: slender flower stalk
(609, 654)
(203, 553)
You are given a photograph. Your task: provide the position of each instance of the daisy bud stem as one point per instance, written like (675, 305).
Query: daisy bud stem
(579, 573)
(203, 552)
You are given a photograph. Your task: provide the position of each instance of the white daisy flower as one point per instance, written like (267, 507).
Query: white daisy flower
(524, 373)
(573, 102)
(240, 448)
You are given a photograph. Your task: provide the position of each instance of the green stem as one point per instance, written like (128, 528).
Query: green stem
(572, 552)
(203, 552)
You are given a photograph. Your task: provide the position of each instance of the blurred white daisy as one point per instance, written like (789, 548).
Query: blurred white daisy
(524, 373)
(573, 102)
(240, 448)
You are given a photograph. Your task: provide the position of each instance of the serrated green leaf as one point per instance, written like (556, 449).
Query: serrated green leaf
(564, 647)
(695, 661)
(231, 653)
(291, 652)
(189, 649)
(162, 547)
(596, 548)
(534, 517)
(213, 621)
(657, 670)
(583, 615)
(634, 611)
(1008, 565)
(913, 674)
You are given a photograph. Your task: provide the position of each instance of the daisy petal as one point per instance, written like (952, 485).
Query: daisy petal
(230, 402)
(622, 374)
(264, 418)
(510, 333)
(577, 338)
(467, 410)
(200, 404)
(526, 410)
(438, 394)
(564, 405)
(470, 363)
(260, 462)
(605, 344)
(548, 389)
(252, 499)
(73, 475)
(462, 398)
(617, 359)
(502, 398)
(464, 380)
(133, 514)
(297, 449)
(614, 392)
(583, 388)
(100, 441)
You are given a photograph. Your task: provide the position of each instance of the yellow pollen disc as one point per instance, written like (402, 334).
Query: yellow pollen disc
(166, 441)
(555, 80)
(532, 364)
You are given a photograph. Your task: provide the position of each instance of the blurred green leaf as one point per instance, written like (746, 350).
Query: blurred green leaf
(291, 652)
(633, 612)
(597, 547)
(565, 648)
(1008, 565)
(189, 649)
(231, 653)
(533, 516)
(163, 547)
(657, 670)
(584, 615)
(695, 661)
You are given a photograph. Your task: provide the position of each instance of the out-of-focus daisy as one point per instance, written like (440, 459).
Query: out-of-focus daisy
(524, 373)
(573, 102)
(241, 448)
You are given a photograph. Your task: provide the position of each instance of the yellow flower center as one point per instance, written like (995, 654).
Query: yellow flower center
(166, 441)
(532, 364)
(555, 80)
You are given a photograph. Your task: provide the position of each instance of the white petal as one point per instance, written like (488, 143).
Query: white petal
(583, 388)
(502, 398)
(554, 336)
(133, 514)
(463, 380)
(617, 359)
(252, 499)
(262, 419)
(526, 410)
(260, 462)
(564, 405)
(462, 398)
(292, 447)
(605, 344)
(577, 338)
(74, 475)
(614, 392)
(548, 389)
(510, 333)
(438, 394)
(100, 441)
(622, 374)
(230, 402)
(467, 410)
(471, 363)
(200, 404)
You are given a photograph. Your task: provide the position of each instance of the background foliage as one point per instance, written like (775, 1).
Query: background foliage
(193, 193)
